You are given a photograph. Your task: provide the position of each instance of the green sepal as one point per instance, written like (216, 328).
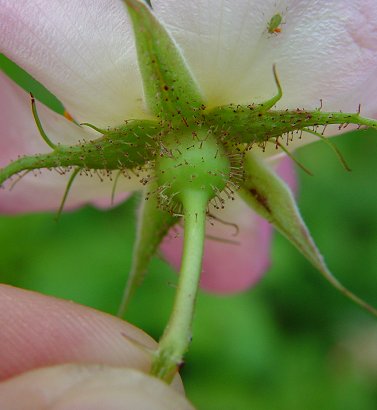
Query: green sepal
(253, 124)
(259, 123)
(125, 148)
(271, 198)
(153, 224)
(169, 86)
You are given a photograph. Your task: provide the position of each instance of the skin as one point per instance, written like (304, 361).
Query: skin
(55, 354)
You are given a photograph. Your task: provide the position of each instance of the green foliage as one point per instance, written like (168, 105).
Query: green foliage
(29, 84)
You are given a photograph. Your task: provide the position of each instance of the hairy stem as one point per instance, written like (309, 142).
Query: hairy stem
(177, 335)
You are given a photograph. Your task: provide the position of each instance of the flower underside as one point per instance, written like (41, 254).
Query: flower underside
(138, 145)
(189, 157)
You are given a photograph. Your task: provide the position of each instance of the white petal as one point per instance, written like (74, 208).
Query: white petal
(19, 134)
(82, 51)
(43, 190)
(326, 49)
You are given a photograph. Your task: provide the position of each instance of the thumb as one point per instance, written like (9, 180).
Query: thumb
(88, 387)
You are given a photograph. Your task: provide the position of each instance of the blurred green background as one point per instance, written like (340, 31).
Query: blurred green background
(292, 342)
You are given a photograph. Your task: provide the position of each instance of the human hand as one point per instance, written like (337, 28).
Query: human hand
(58, 355)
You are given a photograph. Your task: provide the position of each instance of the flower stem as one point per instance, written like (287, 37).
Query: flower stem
(177, 335)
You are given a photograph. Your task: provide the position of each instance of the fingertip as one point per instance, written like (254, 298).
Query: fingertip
(91, 387)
